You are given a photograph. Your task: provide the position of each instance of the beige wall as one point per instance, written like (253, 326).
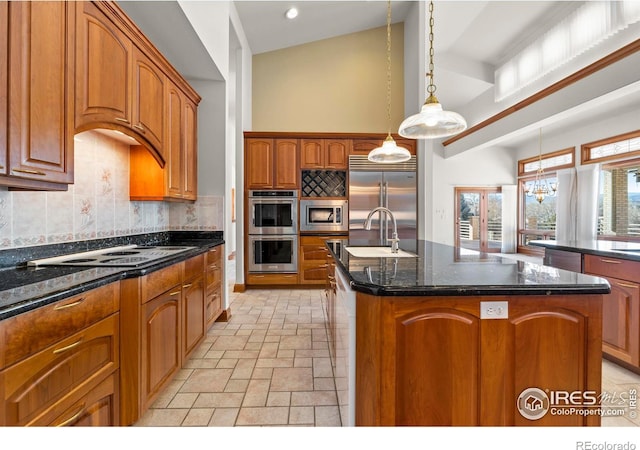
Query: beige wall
(333, 85)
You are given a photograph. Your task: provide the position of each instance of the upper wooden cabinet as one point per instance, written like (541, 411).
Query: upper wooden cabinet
(40, 129)
(271, 164)
(324, 153)
(178, 179)
(363, 146)
(103, 71)
(4, 71)
(148, 99)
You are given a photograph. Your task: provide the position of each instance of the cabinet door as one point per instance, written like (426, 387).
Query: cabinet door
(313, 260)
(312, 154)
(190, 151)
(621, 321)
(102, 96)
(160, 343)
(337, 154)
(193, 316)
(148, 99)
(259, 163)
(40, 55)
(173, 142)
(286, 166)
(4, 68)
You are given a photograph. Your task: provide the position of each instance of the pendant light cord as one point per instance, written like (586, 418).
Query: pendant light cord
(389, 67)
(431, 88)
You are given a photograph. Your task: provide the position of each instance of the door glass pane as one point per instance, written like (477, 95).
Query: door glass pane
(494, 220)
(469, 220)
(619, 202)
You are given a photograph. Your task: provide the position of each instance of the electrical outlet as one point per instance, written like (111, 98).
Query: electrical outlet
(494, 310)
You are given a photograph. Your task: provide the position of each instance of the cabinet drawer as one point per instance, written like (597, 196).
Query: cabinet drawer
(32, 386)
(272, 278)
(161, 281)
(612, 267)
(194, 267)
(32, 331)
(215, 255)
(214, 275)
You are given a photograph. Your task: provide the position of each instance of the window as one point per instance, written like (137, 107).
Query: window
(619, 185)
(479, 219)
(537, 219)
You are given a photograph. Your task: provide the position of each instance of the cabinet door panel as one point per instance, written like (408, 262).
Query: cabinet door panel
(259, 163)
(173, 141)
(148, 102)
(441, 333)
(102, 96)
(312, 154)
(160, 343)
(39, 131)
(4, 67)
(337, 152)
(621, 321)
(193, 316)
(190, 152)
(286, 164)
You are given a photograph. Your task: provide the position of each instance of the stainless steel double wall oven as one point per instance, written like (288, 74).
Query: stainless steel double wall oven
(273, 228)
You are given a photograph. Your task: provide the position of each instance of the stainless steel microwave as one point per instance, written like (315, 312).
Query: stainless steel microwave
(324, 215)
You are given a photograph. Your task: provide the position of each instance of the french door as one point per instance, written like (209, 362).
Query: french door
(478, 222)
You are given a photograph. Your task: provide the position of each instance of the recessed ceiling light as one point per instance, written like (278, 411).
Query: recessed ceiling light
(291, 13)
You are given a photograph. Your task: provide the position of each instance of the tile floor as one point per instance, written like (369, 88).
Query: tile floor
(270, 366)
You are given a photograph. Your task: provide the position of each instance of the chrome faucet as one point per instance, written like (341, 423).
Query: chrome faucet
(394, 237)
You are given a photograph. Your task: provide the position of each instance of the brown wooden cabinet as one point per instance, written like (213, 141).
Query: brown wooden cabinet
(313, 260)
(193, 306)
(272, 164)
(4, 75)
(148, 108)
(362, 146)
(214, 273)
(160, 343)
(324, 153)
(621, 308)
(178, 179)
(40, 102)
(433, 361)
(57, 359)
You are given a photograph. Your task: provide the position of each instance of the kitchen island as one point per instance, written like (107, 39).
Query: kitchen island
(445, 336)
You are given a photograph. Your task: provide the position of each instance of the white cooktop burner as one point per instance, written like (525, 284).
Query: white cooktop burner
(124, 256)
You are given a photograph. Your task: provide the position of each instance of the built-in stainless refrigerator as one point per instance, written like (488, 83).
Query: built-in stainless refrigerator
(393, 186)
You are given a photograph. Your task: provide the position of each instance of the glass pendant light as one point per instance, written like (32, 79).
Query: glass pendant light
(540, 189)
(389, 152)
(432, 121)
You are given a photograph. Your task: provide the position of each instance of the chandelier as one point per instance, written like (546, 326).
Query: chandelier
(540, 188)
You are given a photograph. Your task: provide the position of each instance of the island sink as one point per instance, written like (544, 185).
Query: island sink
(378, 252)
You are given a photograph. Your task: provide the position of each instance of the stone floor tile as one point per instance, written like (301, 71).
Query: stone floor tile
(239, 385)
(183, 400)
(279, 399)
(322, 367)
(292, 379)
(165, 397)
(269, 350)
(256, 394)
(327, 416)
(324, 384)
(163, 418)
(301, 415)
(241, 354)
(295, 342)
(274, 362)
(230, 343)
(270, 415)
(198, 417)
(207, 380)
(303, 362)
(227, 363)
(314, 398)
(219, 400)
(224, 417)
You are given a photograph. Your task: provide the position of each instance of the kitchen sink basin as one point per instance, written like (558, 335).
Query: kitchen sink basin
(378, 252)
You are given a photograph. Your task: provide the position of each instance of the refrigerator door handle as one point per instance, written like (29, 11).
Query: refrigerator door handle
(385, 189)
(381, 217)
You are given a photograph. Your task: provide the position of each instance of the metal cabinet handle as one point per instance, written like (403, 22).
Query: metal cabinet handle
(73, 417)
(610, 261)
(140, 127)
(69, 305)
(122, 119)
(31, 172)
(174, 293)
(68, 347)
(188, 285)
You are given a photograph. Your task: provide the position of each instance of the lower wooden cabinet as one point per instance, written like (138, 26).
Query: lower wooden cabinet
(313, 260)
(620, 309)
(160, 349)
(214, 274)
(193, 306)
(433, 361)
(274, 279)
(41, 388)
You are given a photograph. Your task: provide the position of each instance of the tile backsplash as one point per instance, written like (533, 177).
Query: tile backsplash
(97, 205)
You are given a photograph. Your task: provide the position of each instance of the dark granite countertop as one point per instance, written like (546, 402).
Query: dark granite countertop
(612, 249)
(443, 270)
(25, 288)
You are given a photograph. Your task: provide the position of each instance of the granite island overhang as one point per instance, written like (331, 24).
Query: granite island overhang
(461, 338)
